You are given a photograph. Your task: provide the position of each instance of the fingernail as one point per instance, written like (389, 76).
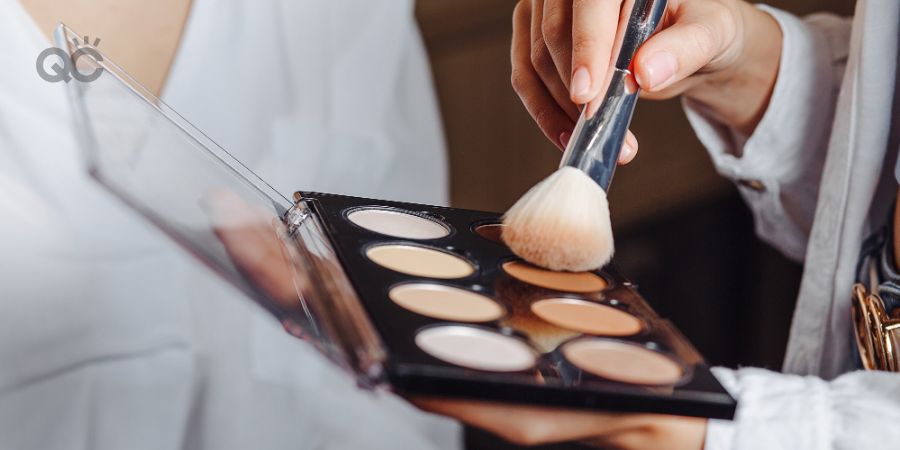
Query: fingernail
(660, 67)
(626, 154)
(564, 138)
(581, 84)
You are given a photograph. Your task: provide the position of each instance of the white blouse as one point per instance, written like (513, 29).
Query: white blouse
(111, 337)
(818, 175)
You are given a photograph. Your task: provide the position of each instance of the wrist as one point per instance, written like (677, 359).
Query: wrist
(737, 92)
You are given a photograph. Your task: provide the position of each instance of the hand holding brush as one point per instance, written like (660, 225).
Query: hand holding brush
(566, 52)
(563, 222)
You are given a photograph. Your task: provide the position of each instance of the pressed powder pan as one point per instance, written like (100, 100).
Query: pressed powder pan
(581, 282)
(491, 232)
(623, 362)
(420, 261)
(446, 302)
(398, 223)
(587, 317)
(476, 348)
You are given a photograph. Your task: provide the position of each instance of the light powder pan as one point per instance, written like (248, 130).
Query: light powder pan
(420, 261)
(587, 317)
(446, 302)
(398, 223)
(623, 362)
(476, 348)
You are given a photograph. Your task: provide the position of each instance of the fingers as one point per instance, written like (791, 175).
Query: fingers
(556, 27)
(629, 149)
(548, 114)
(594, 24)
(525, 425)
(695, 40)
(546, 63)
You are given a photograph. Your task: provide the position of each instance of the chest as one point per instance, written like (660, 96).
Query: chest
(142, 37)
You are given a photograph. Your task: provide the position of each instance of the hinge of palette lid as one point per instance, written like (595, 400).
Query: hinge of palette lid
(295, 217)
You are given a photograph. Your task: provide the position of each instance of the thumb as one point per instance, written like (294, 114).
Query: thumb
(677, 52)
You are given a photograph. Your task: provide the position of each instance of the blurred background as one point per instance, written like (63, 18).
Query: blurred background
(683, 233)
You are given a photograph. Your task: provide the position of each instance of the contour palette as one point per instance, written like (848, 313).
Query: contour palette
(423, 300)
(453, 312)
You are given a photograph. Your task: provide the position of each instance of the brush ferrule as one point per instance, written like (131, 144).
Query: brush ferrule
(596, 141)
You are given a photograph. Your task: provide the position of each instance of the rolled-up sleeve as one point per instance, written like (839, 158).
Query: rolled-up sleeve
(778, 411)
(778, 168)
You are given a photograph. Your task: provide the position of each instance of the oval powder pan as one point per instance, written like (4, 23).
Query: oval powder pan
(587, 317)
(398, 223)
(623, 362)
(491, 232)
(476, 348)
(446, 302)
(578, 282)
(420, 261)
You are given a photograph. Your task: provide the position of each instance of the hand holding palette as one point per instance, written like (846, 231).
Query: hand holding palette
(421, 299)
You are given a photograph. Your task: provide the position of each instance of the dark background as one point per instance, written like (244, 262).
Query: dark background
(682, 232)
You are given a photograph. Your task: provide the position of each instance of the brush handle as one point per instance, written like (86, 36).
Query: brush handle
(596, 141)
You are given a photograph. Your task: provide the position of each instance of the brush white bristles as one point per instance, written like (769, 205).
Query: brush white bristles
(562, 223)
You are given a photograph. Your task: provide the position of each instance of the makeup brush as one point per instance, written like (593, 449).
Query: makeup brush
(562, 223)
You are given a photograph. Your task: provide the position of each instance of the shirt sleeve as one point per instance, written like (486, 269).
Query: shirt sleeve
(777, 411)
(778, 168)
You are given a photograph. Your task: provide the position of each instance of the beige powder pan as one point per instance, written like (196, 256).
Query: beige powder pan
(476, 348)
(623, 362)
(587, 317)
(580, 282)
(420, 261)
(397, 223)
(446, 302)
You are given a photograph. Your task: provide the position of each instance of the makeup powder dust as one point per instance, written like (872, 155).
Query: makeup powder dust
(582, 282)
(446, 302)
(398, 223)
(420, 261)
(587, 317)
(476, 348)
(619, 361)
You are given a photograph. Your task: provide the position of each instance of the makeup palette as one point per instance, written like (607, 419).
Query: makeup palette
(453, 312)
(423, 300)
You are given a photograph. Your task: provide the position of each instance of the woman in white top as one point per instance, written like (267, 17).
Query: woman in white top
(805, 115)
(110, 337)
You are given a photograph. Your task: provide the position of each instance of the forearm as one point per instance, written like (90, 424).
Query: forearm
(738, 95)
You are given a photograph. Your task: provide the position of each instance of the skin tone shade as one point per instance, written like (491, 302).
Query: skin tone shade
(476, 348)
(446, 302)
(581, 282)
(587, 317)
(398, 224)
(491, 232)
(420, 261)
(623, 362)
